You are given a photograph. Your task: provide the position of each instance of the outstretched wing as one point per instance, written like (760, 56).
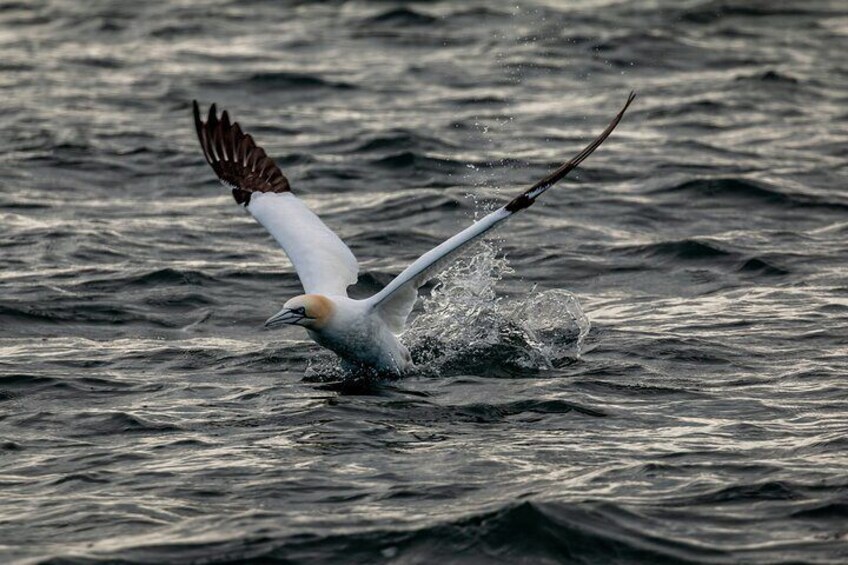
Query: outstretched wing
(395, 301)
(323, 262)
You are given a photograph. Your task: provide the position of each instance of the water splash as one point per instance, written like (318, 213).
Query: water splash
(465, 324)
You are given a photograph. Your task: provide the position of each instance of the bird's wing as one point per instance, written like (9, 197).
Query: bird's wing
(323, 262)
(394, 303)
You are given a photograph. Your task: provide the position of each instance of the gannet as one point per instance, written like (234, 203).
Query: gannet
(363, 333)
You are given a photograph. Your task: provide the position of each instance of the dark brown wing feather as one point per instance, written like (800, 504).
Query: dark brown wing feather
(239, 163)
(529, 196)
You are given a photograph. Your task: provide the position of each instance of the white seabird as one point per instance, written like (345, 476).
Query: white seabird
(364, 333)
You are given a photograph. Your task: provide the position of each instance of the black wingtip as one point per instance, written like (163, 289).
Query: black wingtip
(196, 111)
(236, 159)
(198, 128)
(527, 198)
(212, 116)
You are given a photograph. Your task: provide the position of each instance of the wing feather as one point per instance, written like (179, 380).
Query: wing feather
(323, 262)
(395, 302)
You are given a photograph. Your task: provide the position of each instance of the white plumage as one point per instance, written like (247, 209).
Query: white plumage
(364, 333)
(324, 264)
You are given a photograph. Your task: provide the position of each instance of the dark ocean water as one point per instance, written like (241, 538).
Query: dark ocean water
(147, 417)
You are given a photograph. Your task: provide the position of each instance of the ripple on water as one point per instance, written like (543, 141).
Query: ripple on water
(147, 417)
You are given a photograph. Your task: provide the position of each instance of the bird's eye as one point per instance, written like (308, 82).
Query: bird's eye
(301, 310)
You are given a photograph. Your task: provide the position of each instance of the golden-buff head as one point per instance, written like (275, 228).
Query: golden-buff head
(317, 309)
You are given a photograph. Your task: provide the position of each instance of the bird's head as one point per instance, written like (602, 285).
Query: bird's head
(308, 310)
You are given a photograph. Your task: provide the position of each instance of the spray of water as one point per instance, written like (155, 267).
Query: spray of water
(464, 326)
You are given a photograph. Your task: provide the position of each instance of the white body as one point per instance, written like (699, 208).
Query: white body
(358, 335)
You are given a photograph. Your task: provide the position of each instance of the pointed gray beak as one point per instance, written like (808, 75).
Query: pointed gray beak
(284, 317)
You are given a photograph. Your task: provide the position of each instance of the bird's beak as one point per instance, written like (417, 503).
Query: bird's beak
(284, 317)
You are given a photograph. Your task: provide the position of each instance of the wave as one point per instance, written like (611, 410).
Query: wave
(681, 252)
(527, 532)
(491, 413)
(78, 312)
(734, 189)
(771, 77)
(174, 31)
(401, 17)
(686, 249)
(141, 279)
(289, 80)
(396, 140)
(117, 423)
(772, 490)
(417, 162)
(84, 424)
(710, 12)
(757, 266)
(25, 383)
(538, 532)
(828, 511)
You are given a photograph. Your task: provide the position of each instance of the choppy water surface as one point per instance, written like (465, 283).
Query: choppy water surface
(146, 416)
